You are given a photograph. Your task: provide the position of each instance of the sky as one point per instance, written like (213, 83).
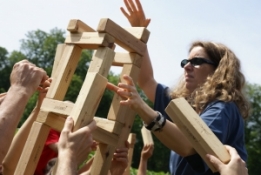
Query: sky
(175, 24)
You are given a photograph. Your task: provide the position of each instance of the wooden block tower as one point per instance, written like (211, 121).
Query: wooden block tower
(111, 132)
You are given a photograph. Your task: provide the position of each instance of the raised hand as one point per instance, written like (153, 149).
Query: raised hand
(26, 77)
(120, 160)
(135, 14)
(147, 151)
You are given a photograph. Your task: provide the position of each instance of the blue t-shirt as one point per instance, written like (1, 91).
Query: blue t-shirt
(223, 118)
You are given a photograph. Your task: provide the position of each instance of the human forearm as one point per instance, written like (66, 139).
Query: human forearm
(146, 79)
(142, 167)
(11, 111)
(170, 135)
(174, 139)
(65, 164)
(16, 148)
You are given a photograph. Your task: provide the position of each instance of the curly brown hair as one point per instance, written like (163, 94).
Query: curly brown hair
(225, 84)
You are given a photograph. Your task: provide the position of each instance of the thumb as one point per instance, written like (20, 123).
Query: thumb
(215, 161)
(68, 125)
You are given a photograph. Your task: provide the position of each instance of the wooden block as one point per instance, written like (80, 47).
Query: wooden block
(109, 125)
(65, 69)
(146, 136)
(32, 149)
(57, 58)
(105, 137)
(102, 159)
(56, 106)
(76, 25)
(88, 99)
(131, 140)
(140, 33)
(101, 61)
(90, 40)
(127, 58)
(53, 120)
(122, 37)
(197, 132)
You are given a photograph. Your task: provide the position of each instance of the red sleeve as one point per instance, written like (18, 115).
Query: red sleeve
(53, 137)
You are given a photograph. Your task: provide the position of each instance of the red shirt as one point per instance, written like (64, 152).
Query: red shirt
(47, 153)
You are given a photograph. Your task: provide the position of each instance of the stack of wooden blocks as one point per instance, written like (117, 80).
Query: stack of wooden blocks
(113, 131)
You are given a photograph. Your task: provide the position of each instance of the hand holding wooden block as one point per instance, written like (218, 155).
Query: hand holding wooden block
(197, 132)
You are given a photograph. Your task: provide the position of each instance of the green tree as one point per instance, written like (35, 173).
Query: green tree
(39, 47)
(253, 130)
(4, 70)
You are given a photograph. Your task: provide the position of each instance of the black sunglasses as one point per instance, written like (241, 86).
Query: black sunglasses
(196, 61)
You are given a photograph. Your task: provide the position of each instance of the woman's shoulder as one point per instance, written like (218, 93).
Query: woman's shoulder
(223, 107)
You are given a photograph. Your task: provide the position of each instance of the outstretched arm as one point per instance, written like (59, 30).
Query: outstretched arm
(11, 160)
(137, 18)
(25, 79)
(170, 131)
(135, 14)
(146, 153)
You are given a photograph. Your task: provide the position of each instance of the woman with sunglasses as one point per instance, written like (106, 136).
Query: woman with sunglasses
(212, 83)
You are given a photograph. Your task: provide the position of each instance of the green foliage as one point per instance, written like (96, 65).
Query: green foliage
(253, 130)
(39, 47)
(134, 172)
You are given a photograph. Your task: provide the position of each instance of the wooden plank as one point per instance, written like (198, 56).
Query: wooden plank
(121, 114)
(76, 25)
(57, 58)
(197, 132)
(105, 137)
(66, 69)
(122, 37)
(140, 33)
(101, 61)
(146, 136)
(102, 159)
(55, 121)
(109, 125)
(56, 106)
(88, 99)
(90, 40)
(132, 141)
(32, 149)
(127, 58)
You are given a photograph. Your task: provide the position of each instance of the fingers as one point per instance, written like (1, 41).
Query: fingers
(147, 22)
(133, 6)
(232, 151)
(215, 161)
(87, 130)
(112, 87)
(68, 125)
(126, 2)
(125, 13)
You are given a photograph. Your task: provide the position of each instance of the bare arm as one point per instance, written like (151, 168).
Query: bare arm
(11, 160)
(170, 131)
(25, 79)
(137, 18)
(146, 153)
